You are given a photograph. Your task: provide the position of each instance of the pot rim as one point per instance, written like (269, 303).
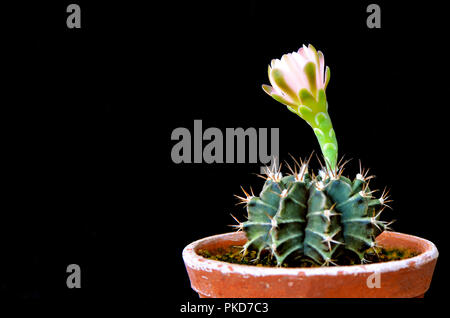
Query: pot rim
(197, 262)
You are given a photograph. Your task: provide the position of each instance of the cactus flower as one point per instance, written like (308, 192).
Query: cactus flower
(299, 80)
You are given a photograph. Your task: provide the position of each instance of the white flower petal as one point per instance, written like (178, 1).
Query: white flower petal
(292, 69)
(290, 73)
(321, 69)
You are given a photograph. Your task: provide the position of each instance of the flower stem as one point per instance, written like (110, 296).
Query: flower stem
(327, 141)
(315, 113)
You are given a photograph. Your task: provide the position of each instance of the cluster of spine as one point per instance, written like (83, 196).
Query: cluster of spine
(314, 216)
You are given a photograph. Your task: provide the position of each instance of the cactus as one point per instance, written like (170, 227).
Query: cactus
(319, 217)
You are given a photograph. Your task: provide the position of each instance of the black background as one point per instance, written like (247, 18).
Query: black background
(88, 115)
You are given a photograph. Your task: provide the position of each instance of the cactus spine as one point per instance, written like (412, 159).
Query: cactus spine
(320, 217)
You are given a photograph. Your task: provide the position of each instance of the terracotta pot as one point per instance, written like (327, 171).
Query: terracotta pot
(397, 279)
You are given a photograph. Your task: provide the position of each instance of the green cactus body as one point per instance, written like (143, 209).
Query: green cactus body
(318, 217)
(323, 229)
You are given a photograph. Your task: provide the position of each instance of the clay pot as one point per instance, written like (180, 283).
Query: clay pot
(398, 279)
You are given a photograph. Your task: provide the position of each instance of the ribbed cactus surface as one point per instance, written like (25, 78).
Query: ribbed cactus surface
(319, 217)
